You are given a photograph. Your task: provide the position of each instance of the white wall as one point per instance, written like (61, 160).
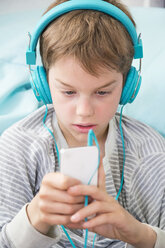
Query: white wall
(146, 3)
(8, 6)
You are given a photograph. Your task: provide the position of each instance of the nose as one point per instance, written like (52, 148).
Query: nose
(84, 107)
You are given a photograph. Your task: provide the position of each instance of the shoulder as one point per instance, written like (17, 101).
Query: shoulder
(140, 136)
(144, 153)
(144, 159)
(33, 123)
(28, 131)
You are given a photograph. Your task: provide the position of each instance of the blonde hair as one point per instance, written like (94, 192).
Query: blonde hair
(94, 38)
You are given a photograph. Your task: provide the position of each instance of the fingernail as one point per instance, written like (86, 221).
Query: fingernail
(71, 189)
(85, 225)
(75, 217)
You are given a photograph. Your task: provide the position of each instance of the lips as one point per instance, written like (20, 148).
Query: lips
(84, 128)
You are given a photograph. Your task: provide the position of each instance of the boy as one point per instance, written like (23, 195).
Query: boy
(86, 66)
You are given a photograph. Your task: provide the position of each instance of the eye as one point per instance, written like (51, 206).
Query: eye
(69, 92)
(102, 93)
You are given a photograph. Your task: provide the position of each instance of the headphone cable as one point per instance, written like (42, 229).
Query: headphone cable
(91, 137)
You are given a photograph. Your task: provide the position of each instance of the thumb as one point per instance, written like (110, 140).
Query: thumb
(101, 176)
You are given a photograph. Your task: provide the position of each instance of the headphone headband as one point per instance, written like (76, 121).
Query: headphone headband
(98, 5)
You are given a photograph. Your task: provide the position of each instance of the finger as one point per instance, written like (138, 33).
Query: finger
(93, 209)
(89, 190)
(102, 219)
(51, 194)
(59, 181)
(101, 176)
(75, 225)
(55, 219)
(59, 208)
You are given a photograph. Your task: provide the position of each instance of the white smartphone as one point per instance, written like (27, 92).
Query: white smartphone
(80, 163)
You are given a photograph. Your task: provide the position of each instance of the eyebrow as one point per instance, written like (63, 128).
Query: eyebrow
(103, 86)
(61, 82)
(107, 84)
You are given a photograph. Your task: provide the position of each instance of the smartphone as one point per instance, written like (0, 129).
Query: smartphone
(80, 163)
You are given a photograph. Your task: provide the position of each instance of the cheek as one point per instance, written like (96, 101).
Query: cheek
(107, 115)
(63, 110)
(105, 111)
(116, 97)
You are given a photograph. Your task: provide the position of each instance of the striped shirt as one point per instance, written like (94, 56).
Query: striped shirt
(27, 153)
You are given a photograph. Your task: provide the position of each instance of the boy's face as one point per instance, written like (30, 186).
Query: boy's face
(83, 101)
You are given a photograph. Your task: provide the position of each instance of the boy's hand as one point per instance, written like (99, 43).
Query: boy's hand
(53, 205)
(111, 219)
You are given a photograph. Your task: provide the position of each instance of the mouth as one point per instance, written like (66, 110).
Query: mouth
(84, 128)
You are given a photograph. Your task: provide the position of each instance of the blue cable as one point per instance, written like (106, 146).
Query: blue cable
(44, 119)
(122, 139)
(58, 157)
(69, 238)
(91, 137)
(122, 177)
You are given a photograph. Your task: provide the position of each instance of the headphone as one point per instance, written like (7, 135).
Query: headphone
(39, 79)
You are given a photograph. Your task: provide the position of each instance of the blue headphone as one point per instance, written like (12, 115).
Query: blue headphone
(39, 78)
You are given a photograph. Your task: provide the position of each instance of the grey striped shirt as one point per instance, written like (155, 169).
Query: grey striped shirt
(27, 153)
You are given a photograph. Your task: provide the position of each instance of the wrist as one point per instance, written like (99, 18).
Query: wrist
(147, 237)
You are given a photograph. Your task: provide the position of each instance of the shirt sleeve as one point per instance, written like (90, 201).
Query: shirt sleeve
(160, 237)
(20, 177)
(160, 241)
(29, 237)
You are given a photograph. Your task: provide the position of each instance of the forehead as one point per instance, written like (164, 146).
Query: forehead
(70, 70)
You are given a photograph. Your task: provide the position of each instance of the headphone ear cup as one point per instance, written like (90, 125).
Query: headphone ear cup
(131, 87)
(40, 87)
